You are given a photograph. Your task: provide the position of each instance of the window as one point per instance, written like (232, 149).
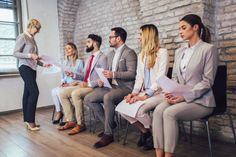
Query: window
(9, 30)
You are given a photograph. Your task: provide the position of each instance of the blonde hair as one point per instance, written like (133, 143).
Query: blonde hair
(75, 55)
(150, 44)
(34, 23)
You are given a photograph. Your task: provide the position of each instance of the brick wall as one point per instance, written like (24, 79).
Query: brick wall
(99, 16)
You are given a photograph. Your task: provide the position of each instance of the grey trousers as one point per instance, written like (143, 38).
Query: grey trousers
(165, 122)
(110, 98)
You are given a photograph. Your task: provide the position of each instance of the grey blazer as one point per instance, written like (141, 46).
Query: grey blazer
(200, 73)
(99, 62)
(126, 67)
(23, 48)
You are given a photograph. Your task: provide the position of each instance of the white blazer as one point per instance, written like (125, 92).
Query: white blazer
(160, 68)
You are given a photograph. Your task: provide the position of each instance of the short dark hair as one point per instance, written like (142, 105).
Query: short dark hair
(120, 32)
(96, 38)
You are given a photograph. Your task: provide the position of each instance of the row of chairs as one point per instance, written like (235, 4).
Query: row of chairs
(219, 89)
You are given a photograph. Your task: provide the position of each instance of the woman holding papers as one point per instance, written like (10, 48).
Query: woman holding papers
(26, 51)
(195, 65)
(152, 63)
(73, 64)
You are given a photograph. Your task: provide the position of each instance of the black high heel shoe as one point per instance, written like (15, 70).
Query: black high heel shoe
(58, 120)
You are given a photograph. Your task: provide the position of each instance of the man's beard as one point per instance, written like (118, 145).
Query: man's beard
(89, 49)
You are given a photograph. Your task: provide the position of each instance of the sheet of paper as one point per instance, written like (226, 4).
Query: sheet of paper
(52, 61)
(102, 77)
(170, 86)
(129, 109)
(51, 70)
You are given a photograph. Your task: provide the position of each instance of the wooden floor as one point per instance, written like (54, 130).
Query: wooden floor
(17, 141)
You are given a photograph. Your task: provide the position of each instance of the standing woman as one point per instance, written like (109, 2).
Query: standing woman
(153, 62)
(75, 65)
(195, 66)
(27, 52)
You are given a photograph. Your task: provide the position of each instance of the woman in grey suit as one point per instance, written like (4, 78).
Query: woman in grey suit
(27, 52)
(195, 66)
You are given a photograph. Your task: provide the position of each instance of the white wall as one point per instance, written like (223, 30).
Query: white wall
(11, 88)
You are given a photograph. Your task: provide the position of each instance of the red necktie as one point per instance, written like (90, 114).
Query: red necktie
(89, 69)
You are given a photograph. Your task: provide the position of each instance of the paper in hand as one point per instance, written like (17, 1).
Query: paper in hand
(170, 86)
(102, 77)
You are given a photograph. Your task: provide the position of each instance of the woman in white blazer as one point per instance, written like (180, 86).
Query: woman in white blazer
(152, 63)
(195, 65)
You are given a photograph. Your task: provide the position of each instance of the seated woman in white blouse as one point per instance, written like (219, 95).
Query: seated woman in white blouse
(75, 65)
(152, 63)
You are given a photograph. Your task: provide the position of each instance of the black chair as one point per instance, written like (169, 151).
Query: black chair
(219, 90)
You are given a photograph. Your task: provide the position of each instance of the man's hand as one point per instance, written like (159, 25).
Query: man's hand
(108, 74)
(83, 84)
(100, 83)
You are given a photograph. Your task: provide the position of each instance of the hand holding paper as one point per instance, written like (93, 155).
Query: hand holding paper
(102, 77)
(170, 86)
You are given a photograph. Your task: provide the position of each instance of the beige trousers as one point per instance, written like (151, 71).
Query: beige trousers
(165, 122)
(72, 103)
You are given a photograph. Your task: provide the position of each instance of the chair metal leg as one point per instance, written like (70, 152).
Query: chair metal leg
(185, 135)
(232, 125)
(90, 120)
(53, 112)
(95, 122)
(118, 125)
(209, 138)
(191, 132)
(126, 132)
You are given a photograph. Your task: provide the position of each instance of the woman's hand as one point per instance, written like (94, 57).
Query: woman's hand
(138, 98)
(175, 99)
(69, 73)
(47, 65)
(65, 85)
(34, 56)
(129, 96)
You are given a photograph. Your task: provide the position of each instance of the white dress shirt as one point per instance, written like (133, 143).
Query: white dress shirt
(115, 61)
(186, 58)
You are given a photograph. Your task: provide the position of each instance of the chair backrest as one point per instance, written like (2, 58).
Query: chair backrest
(219, 90)
(169, 73)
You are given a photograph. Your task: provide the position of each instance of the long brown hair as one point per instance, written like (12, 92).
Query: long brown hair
(150, 44)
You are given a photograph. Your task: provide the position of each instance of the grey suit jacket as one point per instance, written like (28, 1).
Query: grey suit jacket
(99, 62)
(126, 67)
(23, 47)
(200, 73)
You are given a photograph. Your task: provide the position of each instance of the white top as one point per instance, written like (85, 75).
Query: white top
(115, 61)
(186, 58)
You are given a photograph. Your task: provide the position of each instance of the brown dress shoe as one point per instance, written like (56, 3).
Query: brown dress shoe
(68, 125)
(77, 129)
(104, 141)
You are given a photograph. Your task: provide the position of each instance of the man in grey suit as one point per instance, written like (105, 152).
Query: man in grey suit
(122, 63)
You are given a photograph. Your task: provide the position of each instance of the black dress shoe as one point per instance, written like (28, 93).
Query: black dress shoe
(62, 123)
(104, 141)
(101, 134)
(143, 138)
